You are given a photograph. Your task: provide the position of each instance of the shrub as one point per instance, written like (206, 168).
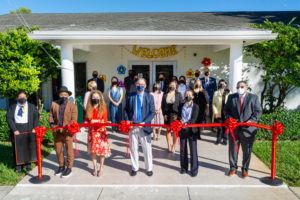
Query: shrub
(290, 121)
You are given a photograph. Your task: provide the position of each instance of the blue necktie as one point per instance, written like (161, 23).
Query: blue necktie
(20, 112)
(139, 109)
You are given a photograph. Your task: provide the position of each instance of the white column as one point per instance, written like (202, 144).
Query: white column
(67, 67)
(236, 64)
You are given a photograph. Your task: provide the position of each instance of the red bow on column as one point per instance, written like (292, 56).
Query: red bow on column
(175, 127)
(40, 132)
(231, 124)
(277, 128)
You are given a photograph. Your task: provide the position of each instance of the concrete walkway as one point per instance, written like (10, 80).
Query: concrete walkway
(166, 183)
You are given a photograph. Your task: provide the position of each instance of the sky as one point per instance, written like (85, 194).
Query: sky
(92, 6)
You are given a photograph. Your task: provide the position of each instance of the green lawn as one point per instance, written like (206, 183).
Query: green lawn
(7, 174)
(287, 159)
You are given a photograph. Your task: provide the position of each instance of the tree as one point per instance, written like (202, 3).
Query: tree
(21, 10)
(25, 64)
(279, 61)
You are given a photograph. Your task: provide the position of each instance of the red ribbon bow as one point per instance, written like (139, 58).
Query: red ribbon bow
(73, 128)
(231, 124)
(124, 126)
(277, 128)
(175, 127)
(40, 132)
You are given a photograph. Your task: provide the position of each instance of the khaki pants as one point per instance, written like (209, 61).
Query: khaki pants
(61, 139)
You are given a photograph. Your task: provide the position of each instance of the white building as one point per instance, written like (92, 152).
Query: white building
(140, 41)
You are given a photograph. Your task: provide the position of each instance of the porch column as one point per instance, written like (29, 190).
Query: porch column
(236, 64)
(67, 67)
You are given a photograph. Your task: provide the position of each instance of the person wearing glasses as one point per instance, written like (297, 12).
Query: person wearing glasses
(243, 106)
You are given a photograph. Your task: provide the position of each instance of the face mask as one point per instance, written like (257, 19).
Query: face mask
(140, 88)
(135, 80)
(161, 79)
(206, 73)
(95, 75)
(221, 86)
(63, 99)
(156, 88)
(172, 88)
(114, 83)
(188, 98)
(95, 101)
(94, 87)
(197, 85)
(131, 74)
(182, 82)
(22, 100)
(197, 74)
(241, 91)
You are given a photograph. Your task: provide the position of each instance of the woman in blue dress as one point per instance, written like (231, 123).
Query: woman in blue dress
(115, 96)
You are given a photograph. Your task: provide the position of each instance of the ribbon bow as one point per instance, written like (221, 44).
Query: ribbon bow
(277, 128)
(231, 124)
(40, 132)
(175, 127)
(73, 128)
(124, 126)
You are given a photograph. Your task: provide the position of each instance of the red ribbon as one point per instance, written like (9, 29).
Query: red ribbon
(124, 128)
(277, 128)
(73, 128)
(231, 125)
(175, 127)
(40, 132)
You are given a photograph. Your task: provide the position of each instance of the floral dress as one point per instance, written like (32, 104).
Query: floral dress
(97, 136)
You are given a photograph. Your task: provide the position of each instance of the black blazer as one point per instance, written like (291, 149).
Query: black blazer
(193, 119)
(176, 106)
(33, 117)
(100, 84)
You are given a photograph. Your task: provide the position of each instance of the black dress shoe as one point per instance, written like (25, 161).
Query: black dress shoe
(150, 173)
(217, 143)
(60, 171)
(194, 174)
(224, 142)
(133, 173)
(67, 173)
(182, 171)
(199, 137)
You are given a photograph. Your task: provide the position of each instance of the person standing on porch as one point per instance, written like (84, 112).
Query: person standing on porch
(128, 81)
(243, 107)
(171, 107)
(115, 96)
(62, 113)
(100, 82)
(22, 117)
(182, 87)
(158, 118)
(192, 81)
(189, 115)
(140, 109)
(219, 101)
(92, 85)
(98, 143)
(163, 83)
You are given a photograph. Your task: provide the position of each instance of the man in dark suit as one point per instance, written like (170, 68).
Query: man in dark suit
(23, 117)
(243, 107)
(129, 80)
(100, 83)
(163, 84)
(140, 109)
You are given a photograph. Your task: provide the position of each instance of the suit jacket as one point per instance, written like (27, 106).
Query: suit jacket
(210, 88)
(193, 119)
(70, 114)
(100, 84)
(33, 117)
(251, 111)
(148, 109)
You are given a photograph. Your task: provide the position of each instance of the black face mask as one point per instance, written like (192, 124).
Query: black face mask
(114, 83)
(22, 100)
(172, 88)
(94, 88)
(197, 85)
(135, 80)
(95, 75)
(206, 73)
(161, 79)
(188, 98)
(181, 82)
(197, 75)
(95, 101)
(221, 86)
(63, 99)
(131, 74)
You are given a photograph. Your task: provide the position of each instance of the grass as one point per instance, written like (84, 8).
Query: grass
(287, 159)
(7, 174)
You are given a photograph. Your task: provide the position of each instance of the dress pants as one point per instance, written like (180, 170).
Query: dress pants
(220, 131)
(137, 134)
(187, 135)
(246, 143)
(61, 139)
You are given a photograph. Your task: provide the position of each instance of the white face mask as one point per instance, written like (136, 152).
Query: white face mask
(241, 91)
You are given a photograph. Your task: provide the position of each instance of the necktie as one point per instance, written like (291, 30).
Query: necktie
(241, 103)
(20, 111)
(139, 109)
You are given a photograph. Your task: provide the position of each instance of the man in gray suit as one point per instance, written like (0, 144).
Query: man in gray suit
(243, 107)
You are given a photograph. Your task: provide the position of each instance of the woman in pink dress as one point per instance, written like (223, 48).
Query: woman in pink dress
(98, 143)
(158, 117)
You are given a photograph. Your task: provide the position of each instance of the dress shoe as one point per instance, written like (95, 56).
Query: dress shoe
(224, 142)
(133, 173)
(60, 171)
(231, 172)
(67, 173)
(150, 173)
(217, 143)
(245, 174)
(194, 174)
(183, 171)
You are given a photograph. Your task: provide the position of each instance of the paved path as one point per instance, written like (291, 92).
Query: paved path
(166, 183)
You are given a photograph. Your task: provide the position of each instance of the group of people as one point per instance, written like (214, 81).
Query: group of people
(169, 101)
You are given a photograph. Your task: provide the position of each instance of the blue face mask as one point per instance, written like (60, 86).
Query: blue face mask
(140, 88)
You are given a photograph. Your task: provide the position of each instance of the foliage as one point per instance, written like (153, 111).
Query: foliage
(4, 129)
(21, 10)
(287, 159)
(290, 121)
(280, 62)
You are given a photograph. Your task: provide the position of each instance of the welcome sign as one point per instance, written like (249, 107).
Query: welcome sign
(162, 52)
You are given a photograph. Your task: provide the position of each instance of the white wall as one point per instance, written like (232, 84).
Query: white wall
(106, 59)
